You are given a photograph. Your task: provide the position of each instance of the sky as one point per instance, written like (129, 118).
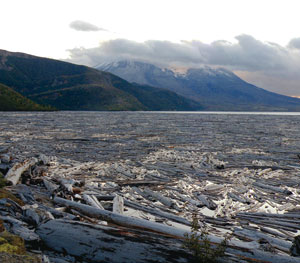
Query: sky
(257, 39)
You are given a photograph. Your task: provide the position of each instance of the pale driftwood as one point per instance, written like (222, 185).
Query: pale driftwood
(157, 212)
(274, 232)
(185, 198)
(235, 197)
(257, 235)
(237, 248)
(206, 201)
(148, 209)
(67, 184)
(273, 188)
(135, 222)
(14, 173)
(164, 200)
(118, 205)
(51, 187)
(120, 219)
(272, 223)
(92, 200)
(269, 215)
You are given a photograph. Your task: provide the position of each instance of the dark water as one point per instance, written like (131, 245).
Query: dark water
(100, 136)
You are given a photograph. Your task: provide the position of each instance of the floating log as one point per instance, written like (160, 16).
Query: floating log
(14, 173)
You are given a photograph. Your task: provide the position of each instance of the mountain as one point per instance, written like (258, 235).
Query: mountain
(67, 86)
(214, 88)
(11, 100)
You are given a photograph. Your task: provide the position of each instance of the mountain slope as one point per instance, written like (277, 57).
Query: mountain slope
(72, 87)
(11, 100)
(216, 89)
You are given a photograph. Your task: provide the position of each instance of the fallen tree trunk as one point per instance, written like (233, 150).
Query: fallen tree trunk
(148, 209)
(14, 173)
(236, 247)
(121, 220)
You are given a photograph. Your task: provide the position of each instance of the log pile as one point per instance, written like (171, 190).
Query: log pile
(81, 208)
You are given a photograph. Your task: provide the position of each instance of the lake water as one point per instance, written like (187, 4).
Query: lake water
(237, 137)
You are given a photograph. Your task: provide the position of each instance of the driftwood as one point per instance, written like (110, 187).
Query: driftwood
(95, 243)
(118, 204)
(20, 228)
(235, 197)
(14, 173)
(206, 201)
(92, 200)
(51, 187)
(159, 197)
(121, 220)
(273, 188)
(148, 209)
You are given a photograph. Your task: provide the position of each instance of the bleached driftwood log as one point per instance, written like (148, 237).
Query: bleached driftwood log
(164, 200)
(120, 219)
(238, 248)
(14, 173)
(118, 205)
(235, 197)
(206, 201)
(273, 188)
(51, 187)
(148, 209)
(92, 200)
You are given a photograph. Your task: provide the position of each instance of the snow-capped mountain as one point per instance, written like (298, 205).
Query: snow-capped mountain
(215, 88)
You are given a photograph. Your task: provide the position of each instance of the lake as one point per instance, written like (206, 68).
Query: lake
(238, 137)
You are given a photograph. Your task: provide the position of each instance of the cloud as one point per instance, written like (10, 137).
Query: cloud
(84, 26)
(246, 54)
(295, 43)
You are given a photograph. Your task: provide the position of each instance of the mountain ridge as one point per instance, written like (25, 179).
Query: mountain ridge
(215, 88)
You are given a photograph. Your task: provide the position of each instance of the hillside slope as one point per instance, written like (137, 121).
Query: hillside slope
(68, 86)
(11, 100)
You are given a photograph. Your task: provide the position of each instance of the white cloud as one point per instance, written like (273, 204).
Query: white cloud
(84, 26)
(246, 55)
(295, 43)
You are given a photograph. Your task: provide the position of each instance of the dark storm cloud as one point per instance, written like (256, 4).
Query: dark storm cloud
(84, 26)
(246, 54)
